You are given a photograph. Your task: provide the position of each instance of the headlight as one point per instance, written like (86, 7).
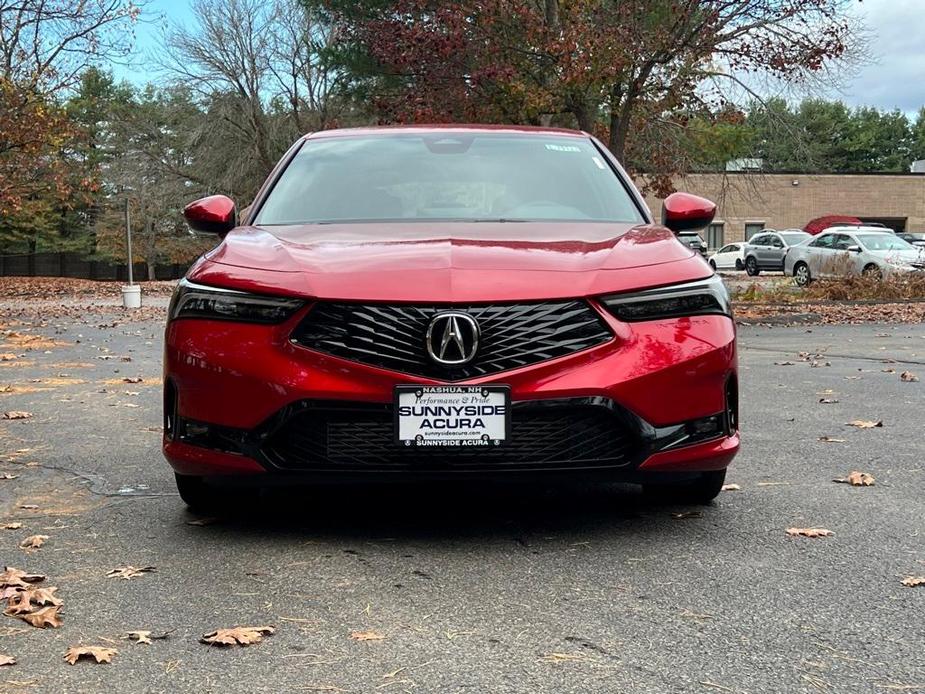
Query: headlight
(700, 298)
(199, 301)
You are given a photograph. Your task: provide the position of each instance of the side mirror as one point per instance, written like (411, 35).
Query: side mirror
(683, 212)
(854, 249)
(212, 215)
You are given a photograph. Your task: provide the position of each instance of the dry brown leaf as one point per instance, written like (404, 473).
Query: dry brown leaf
(24, 600)
(809, 532)
(865, 424)
(28, 507)
(12, 526)
(908, 377)
(45, 617)
(783, 363)
(857, 479)
(369, 635)
(99, 653)
(13, 414)
(129, 572)
(33, 542)
(828, 401)
(139, 636)
(7, 660)
(8, 476)
(730, 488)
(243, 636)
(15, 577)
(146, 636)
(829, 439)
(913, 581)
(136, 379)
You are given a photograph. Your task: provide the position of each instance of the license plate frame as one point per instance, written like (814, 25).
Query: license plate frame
(480, 393)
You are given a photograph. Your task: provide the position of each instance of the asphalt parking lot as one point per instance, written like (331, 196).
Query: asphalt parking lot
(471, 589)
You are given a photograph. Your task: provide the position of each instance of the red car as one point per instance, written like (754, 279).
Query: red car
(450, 302)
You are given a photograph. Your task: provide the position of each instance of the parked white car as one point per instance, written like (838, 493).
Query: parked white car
(729, 257)
(854, 250)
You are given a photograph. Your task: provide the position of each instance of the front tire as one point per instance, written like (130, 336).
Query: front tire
(700, 490)
(751, 266)
(801, 274)
(739, 265)
(873, 272)
(713, 265)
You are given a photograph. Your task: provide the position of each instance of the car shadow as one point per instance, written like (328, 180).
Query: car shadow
(442, 511)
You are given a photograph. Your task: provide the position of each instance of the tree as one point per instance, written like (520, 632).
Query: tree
(634, 71)
(259, 70)
(45, 45)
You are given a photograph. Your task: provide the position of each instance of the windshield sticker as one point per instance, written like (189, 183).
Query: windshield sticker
(563, 148)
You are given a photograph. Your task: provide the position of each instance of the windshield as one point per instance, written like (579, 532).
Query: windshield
(793, 238)
(884, 242)
(448, 176)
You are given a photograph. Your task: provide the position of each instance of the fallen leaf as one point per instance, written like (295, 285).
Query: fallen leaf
(33, 542)
(243, 636)
(864, 424)
(829, 439)
(809, 532)
(828, 401)
(45, 617)
(12, 526)
(8, 476)
(16, 415)
(888, 371)
(25, 598)
(100, 653)
(129, 572)
(908, 377)
(730, 488)
(132, 380)
(146, 636)
(7, 660)
(28, 507)
(783, 363)
(366, 635)
(913, 581)
(857, 479)
(15, 577)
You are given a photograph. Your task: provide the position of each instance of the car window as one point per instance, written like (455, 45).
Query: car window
(824, 241)
(843, 242)
(758, 240)
(884, 242)
(792, 239)
(448, 176)
(731, 248)
(776, 241)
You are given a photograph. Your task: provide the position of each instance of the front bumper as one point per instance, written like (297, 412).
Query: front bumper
(242, 399)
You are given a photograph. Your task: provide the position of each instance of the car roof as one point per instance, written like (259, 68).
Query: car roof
(854, 229)
(384, 130)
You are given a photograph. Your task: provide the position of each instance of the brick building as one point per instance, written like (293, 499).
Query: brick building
(750, 202)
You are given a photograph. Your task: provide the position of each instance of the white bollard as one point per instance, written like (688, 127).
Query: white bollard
(131, 296)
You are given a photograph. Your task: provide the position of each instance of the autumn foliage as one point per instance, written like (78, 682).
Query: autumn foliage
(633, 72)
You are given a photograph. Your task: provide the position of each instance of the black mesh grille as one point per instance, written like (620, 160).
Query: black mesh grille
(542, 437)
(392, 336)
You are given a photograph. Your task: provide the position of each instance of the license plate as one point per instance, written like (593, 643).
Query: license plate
(450, 416)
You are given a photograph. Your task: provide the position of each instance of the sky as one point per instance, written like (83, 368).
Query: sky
(895, 77)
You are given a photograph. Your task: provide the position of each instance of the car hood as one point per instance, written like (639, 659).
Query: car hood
(423, 261)
(899, 257)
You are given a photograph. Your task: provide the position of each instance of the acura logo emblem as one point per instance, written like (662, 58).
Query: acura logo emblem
(452, 338)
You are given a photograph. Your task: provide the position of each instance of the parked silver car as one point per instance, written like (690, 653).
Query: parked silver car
(766, 251)
(841, 251)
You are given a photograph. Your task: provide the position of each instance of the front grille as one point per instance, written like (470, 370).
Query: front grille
(393, 336)
(545, 436)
